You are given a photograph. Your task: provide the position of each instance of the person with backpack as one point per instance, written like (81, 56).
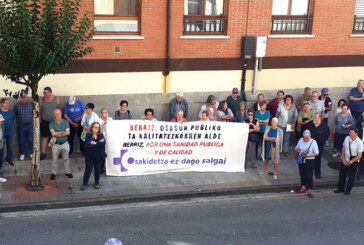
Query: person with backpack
(123, 113)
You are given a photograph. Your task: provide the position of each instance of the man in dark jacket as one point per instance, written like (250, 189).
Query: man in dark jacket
(234, 100)
(176, 104)
(319, 132)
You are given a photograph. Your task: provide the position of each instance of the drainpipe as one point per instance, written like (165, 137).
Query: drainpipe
(255, 74)
(168, 54)
(243, 80)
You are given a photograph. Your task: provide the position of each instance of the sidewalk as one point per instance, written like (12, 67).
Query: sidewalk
(66, 192)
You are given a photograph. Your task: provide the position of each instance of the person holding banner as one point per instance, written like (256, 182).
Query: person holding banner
(210, 106)
(308, 148)
(224, 113)
(179, 117)
(94, 154)
(272, 146)
(149, 113)
(253, 137)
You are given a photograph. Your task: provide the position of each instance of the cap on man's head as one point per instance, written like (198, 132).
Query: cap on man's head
(113, 241)
(307, 89)
(72, 100)
(1, 118)
(306, 133)
(235, 90)
(23, 95)
(325, 90)
(179, 93)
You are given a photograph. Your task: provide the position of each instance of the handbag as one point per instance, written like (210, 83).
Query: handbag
(253, 137)
(300, 158)
(272, 152)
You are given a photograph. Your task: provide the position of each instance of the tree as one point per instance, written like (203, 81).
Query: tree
(38, 38)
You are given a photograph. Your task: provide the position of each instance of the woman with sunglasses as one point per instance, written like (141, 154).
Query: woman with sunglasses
(87, 119)
(253, 138)
(94, 155)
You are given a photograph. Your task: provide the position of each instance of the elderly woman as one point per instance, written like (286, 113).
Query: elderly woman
(287, 118)
(308, 148)
(179, 117)
(224, 113)
(94, 155)
(149, 113)
(340, 104)
(272, 146)
(210, 106)
(342, 125)
(253, 137)
(123, 113)
(87, 119)
(241, 115)
(104, 119)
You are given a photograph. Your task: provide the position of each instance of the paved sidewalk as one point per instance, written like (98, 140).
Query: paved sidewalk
(66, 192)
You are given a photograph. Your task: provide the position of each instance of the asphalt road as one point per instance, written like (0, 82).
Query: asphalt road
(262, 219)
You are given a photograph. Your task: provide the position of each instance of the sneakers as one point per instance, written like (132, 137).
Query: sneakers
(53, 176)
(31, 156)
(335, 154)
(83, 187)
(275, 177)
(338, 191)
(21, 158)
(2, 180)
(69, 175)
(42, 156)
(97, 187)
(310, 195)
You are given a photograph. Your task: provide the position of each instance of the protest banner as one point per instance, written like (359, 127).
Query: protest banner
(136, 147)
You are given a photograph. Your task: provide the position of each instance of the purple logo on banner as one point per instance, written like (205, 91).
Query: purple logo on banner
(119, 161)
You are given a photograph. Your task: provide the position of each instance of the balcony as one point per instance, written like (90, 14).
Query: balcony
(358, 25)
(291, 25)
(204, 25)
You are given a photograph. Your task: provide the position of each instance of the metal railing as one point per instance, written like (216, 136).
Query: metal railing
(291, 25)
(204, 25)
(358, 25)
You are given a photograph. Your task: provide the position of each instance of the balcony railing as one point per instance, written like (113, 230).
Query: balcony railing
(291, 25)
(358, 25)
(204, 25)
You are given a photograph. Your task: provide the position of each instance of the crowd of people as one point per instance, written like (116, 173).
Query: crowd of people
(271, 128)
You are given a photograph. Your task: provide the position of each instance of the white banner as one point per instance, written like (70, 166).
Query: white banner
(136, 147)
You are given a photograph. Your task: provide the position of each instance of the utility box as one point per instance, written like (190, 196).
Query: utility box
(261, 46)
(247, 48)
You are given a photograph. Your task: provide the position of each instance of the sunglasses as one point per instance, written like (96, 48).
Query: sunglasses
(325, 94)
(250, 114)
(235, 92)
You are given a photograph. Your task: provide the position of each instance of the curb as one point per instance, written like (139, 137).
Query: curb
(160, 197)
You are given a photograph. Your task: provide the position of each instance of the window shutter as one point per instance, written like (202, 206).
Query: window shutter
(359, 8)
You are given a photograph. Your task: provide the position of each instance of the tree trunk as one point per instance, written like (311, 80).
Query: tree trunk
(35, 183)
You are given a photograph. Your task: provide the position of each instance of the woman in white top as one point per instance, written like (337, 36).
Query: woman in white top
(210, 106)
(87, 119)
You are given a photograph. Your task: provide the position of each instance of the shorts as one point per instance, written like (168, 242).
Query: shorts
(44, 129)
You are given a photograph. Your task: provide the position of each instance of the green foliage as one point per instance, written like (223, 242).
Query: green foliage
(40, 37)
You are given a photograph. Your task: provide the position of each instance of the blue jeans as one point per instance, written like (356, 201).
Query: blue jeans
(9, 148)
(286, 139)
(1, 158)
(25, 136)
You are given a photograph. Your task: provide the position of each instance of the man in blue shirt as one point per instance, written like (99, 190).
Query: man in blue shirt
(24, 120)
(73, 112)
(356, 98)
(9, 122)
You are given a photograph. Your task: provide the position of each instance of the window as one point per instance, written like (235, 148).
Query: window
(292, 16)
(116, 16)
(359, 17)
(205, 17)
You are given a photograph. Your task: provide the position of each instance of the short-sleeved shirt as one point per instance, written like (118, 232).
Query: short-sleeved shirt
(286, 116)
(74, 111)
(234, 104)
(262, 117)
(302, 99)
(308, 147)
(23, 113)
(340, 121)
(356, 106)
(356, 146)
(63, 126)
(327, 103)
(9, 117)
(317, 107)
(220, 114)
(302, 115)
